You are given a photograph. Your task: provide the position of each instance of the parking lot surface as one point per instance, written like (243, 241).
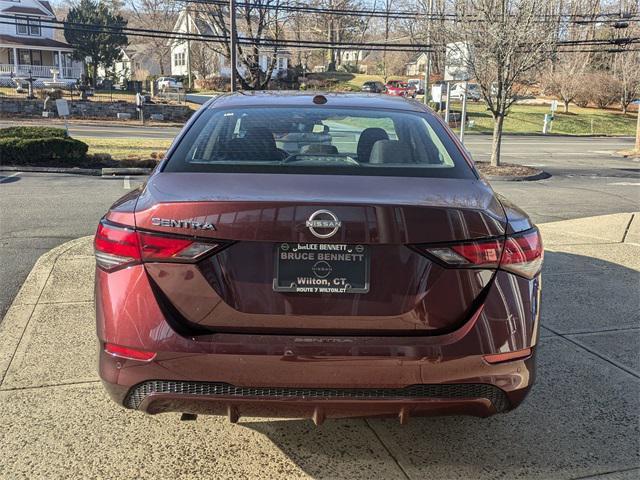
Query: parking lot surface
(581, 420)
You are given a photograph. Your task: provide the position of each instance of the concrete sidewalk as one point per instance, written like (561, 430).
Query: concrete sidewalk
(581, 421)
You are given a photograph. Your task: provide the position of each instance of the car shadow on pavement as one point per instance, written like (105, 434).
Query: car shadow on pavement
(580, 419)
(9, 179)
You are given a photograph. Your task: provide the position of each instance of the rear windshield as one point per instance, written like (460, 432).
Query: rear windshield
(318, 140)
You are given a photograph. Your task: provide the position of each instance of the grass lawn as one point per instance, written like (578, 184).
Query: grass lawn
(121, 148)
(529, 119)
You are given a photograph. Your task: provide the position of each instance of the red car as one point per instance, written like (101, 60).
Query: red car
(399, 88)
(370, 272)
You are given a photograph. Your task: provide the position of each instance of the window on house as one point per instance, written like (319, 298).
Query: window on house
(179, 59)
(28, 26)
(281, 63)
(24, 57)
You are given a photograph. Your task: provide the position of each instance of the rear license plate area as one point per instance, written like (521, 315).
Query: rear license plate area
(318, 268)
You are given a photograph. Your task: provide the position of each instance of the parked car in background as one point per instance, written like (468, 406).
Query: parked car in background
(165, 83)
(418, 84)
(363, 269)
(400, 88)
(472, 89)
(373, 87)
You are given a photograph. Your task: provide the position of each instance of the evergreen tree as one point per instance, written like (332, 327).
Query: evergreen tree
(84, 29)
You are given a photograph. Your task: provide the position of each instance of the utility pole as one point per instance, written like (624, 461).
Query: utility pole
(638, 131)
(427, 65)
(232, 42)
(463, 116)
(189, 75)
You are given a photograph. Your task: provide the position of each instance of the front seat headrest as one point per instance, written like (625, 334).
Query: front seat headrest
(390, 151)
(368, 137)
(261, 138)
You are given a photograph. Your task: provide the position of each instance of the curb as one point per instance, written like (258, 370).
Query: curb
(105, 172)
(75, 171)
(109, 172)
(556, 135)
(514, 178)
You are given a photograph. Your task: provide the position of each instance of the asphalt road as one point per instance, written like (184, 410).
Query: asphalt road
(40, 211)
(126, 130)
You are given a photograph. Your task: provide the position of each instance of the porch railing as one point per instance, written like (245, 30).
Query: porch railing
(39, 71)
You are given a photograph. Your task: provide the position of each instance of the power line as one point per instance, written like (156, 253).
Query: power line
(580, 18)
(145, 32)
(281, 43)
(311, 44)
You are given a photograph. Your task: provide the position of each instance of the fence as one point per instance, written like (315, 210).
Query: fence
(16, 90)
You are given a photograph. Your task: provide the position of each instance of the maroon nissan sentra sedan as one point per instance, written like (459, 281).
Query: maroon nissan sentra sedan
(317, 256)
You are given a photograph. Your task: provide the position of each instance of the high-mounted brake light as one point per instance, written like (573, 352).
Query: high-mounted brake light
(118, 247)
(521, 253)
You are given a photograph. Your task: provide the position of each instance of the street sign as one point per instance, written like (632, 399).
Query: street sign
(63, 111)
(63, 107)
(456, 62)
(436, 93)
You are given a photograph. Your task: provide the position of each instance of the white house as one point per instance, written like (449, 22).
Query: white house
(28, 47)
(135, 63)
(217, 65)
(416, 66)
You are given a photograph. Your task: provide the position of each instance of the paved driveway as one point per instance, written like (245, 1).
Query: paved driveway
(581, 420)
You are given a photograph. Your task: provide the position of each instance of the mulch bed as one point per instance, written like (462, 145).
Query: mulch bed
(506, 170)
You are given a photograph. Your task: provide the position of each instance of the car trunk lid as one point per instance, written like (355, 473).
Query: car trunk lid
(257, 214)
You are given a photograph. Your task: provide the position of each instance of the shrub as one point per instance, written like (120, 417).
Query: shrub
(216, 84)
(32, 132)
(603, 89)
(582, 98)
(139, 162)
(63, 151)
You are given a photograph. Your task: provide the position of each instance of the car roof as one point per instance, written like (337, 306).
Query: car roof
(302, 99)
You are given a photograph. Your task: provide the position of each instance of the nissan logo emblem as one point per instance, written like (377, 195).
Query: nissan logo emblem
(325, 221)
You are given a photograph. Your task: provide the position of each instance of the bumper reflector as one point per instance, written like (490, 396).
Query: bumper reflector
(130, 353)
(508, 356)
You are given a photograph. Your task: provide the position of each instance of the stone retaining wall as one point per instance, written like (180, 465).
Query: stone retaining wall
(92, 109)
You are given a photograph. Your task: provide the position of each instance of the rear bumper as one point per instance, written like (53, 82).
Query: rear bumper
(317, 388)
(316, 377)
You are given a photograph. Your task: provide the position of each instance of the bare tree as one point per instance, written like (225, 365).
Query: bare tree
(627, 74)
(204, 59)
(508, 41)
(260, 25)
(566, 78)
(157, 15)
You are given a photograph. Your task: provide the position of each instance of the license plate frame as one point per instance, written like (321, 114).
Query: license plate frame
(325, 268)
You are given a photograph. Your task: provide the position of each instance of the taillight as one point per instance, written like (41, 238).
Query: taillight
(483, 254)
(523, 254)
(520, 253)
(161, 249)
(117, 247)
